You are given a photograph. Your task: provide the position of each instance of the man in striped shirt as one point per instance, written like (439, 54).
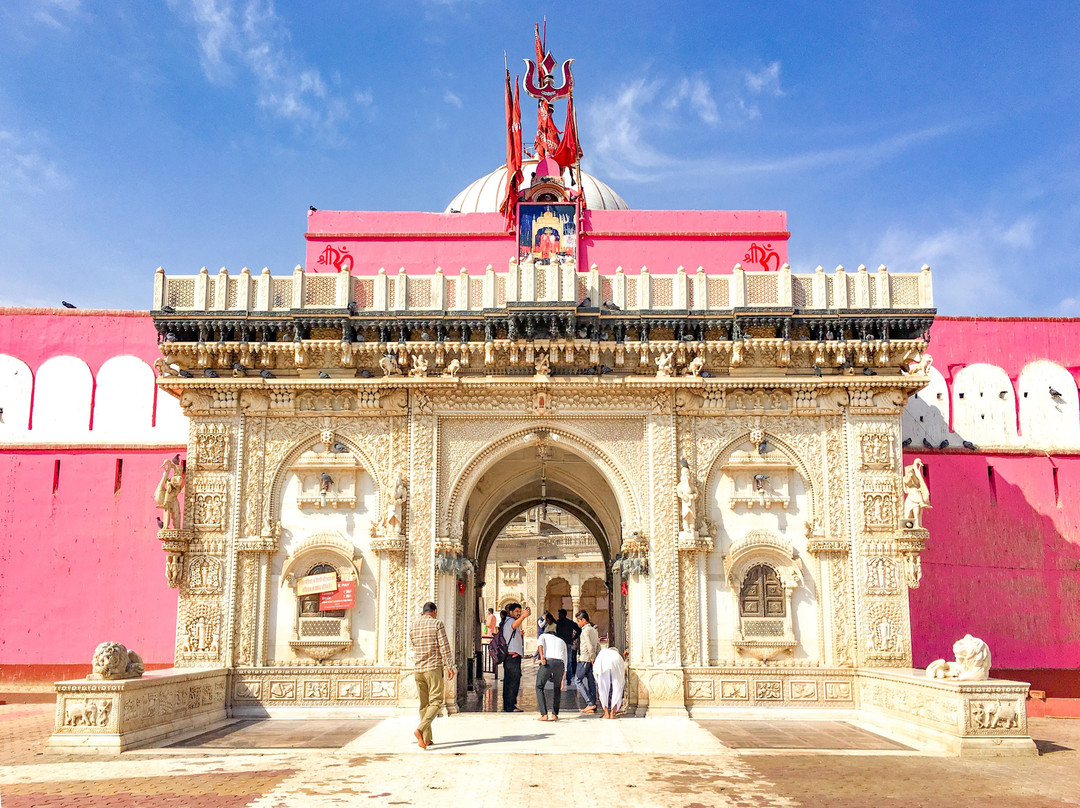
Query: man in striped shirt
(431, 650)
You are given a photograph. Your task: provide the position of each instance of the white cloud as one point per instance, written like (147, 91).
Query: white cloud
(450, 98)
(696, 92)
(24, 169)
(1069, 307)
(51, 12)
(251, 38)
(616, 127)
(978, 264)
(766, 81)
(635, 135)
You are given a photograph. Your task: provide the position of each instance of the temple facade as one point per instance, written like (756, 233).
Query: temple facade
(362, 432)
(730, 437)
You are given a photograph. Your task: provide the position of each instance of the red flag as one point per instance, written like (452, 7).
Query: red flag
(547, 135)
(541, 70)
(515, 129)
(513, 151)
(569, 149)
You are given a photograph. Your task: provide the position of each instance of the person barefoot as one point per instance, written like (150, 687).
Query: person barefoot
(610, 671)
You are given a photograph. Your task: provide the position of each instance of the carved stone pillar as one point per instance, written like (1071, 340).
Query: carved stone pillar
(692, 558)
(662, 681)
(391, 554)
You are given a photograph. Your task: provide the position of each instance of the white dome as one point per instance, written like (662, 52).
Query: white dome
(486, 194)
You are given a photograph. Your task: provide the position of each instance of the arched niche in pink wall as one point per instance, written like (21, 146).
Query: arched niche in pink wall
(1048, 420)
(16, 385)
(170, 423)
(124, 400)
(63, 392)
(984, 406)
(927, 413)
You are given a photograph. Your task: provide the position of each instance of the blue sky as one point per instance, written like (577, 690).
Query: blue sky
(187, 133)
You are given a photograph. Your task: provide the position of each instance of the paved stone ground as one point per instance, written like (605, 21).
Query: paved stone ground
(500, 760)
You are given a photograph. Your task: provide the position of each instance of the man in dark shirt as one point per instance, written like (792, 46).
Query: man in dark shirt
(567, 631)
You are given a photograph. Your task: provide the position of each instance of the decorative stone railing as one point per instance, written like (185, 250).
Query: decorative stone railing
(400, 292)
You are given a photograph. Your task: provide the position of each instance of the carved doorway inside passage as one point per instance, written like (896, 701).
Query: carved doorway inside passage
(542, 526)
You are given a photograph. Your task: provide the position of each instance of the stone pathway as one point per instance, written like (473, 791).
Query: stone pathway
(506, 759)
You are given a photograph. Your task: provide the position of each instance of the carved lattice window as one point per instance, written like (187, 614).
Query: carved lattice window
(762, 594)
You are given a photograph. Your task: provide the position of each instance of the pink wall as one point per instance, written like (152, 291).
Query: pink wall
(81, 565)
(1008, 342)
(1003, 559)
(34, 335)
(660, 240)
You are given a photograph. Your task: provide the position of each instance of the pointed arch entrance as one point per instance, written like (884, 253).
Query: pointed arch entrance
(539, 471)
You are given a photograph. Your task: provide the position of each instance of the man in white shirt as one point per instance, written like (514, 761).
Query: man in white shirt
(552, 655)
(610, 671)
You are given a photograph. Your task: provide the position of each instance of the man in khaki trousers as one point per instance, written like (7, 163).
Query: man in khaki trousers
(431, 649)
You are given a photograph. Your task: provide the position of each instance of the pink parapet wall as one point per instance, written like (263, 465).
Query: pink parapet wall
(81, 564)
(34, 335)
(660, 240)
(1008, 342)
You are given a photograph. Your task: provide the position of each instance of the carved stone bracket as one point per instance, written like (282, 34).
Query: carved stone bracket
(817, 543)
(389, 545)
(690, 541)
(175, 543)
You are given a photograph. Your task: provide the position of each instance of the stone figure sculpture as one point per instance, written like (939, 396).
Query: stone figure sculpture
(916, 494)
(663, 364)
(395, 514)
(695, 366)
(113, 661)
(972, 662)
(542, 364)
(419, 366)
(452, 368)
(920, 365)
(167, 493)
(389, 365)
(687, 493)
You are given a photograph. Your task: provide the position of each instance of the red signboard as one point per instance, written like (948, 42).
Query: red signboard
(343, 598)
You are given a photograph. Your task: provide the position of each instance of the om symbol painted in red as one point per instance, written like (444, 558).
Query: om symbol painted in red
(764, 256)
(336, 258)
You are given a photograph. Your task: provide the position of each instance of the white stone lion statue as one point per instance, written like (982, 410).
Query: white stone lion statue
(972, 662)
(113, 661)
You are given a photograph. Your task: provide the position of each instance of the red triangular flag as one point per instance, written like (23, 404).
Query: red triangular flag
(569, 149)
(547, 135)
(513, 152)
